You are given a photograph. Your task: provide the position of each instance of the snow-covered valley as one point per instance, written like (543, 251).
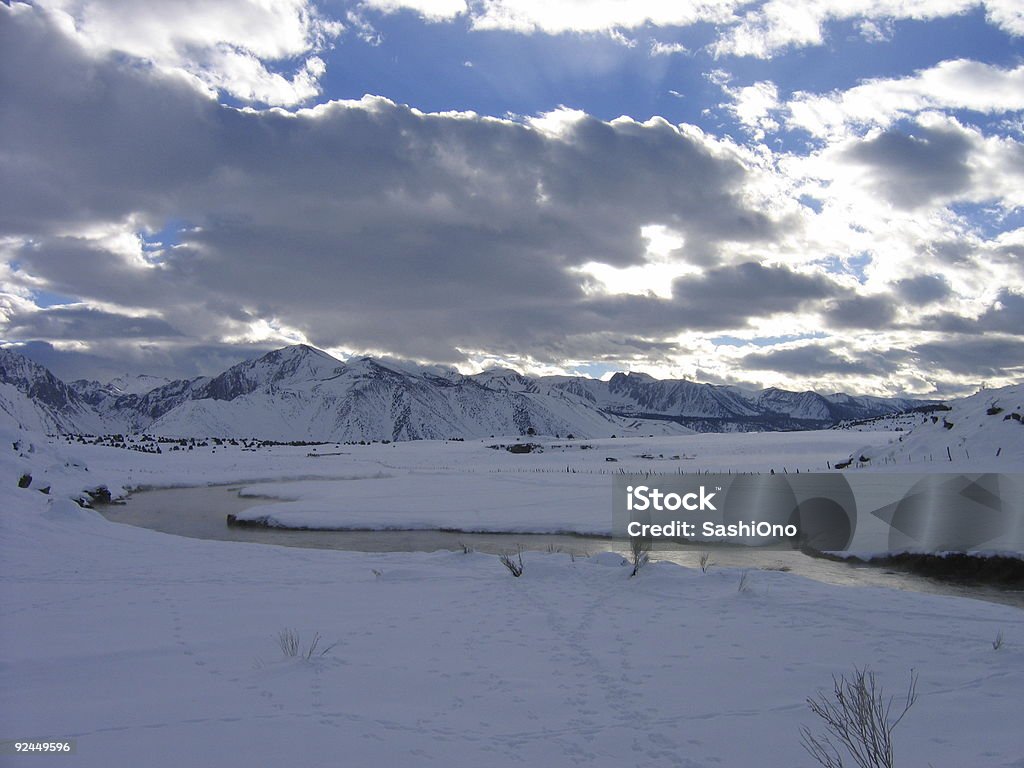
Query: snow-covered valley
(148, 648)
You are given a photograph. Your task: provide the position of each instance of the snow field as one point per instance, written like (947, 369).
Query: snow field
(155, 650)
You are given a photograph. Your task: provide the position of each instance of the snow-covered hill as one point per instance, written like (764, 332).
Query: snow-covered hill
(980, 429)
(301, 393)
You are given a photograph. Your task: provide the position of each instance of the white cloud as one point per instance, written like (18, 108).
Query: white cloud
(432, 10)
(1006, 14)
(596, 15)
(659, 48)
(876, 30)
(223, 44)
(759, 29)
(955, 84)
(755, 106)
(558, 123)
(778, 24)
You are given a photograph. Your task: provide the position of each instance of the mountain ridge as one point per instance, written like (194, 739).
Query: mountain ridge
(300, 392)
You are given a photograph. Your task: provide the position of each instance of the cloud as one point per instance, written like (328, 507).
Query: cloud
(958, 84)
(759, 29)
(372, 226)
(431, 10)
(815, 360)
(770, 27)
(227, 45)
(860, 312)
(755, 106)
(911, 170)
(974, 356)
(171, 361)
(923, 289)
(527, 16)
(659, 48)
(84, 323)
(364, 224)
(1004, 315)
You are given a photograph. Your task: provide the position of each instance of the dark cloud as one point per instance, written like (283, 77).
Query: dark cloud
(974, 355)
(83, 323)
(957, 252)
(861, 312)
(911, 170)
(360, 224)
(1004, 315)
(370, 225)
(116, 359)
(923, 289)
(815, 360)
(727, 297)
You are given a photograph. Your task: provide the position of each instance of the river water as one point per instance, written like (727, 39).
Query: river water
(201, 513)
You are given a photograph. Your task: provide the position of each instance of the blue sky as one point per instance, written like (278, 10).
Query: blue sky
(424, 64)
(825, 196)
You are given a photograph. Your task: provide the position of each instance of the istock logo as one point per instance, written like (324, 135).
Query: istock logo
(641, 498)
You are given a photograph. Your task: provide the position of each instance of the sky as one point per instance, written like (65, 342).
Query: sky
(820, 195)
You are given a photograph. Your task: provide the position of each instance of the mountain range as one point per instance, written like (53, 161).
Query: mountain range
(302, 393)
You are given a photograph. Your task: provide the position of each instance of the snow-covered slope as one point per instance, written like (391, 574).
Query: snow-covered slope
(32, 398)
(986, 427)
(137, 385)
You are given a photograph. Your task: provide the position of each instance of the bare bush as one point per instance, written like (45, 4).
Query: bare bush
(705, 561)
(744, 585)
(859, 720)
(998, 642)
(514, 565)
(289, 642)
(639, 549)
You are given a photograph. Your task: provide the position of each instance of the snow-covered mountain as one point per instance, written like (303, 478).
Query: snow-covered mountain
(301, 393)
(32, 398)
(96, 394)
(712, 408)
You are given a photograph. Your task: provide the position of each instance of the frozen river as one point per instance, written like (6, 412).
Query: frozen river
(201, 512)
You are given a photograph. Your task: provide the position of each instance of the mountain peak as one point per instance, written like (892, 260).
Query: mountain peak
(296, 365)
(293, 351)
(138, 384)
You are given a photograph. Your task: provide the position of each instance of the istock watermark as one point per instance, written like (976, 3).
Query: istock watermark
(640, 498)
(866, 512)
